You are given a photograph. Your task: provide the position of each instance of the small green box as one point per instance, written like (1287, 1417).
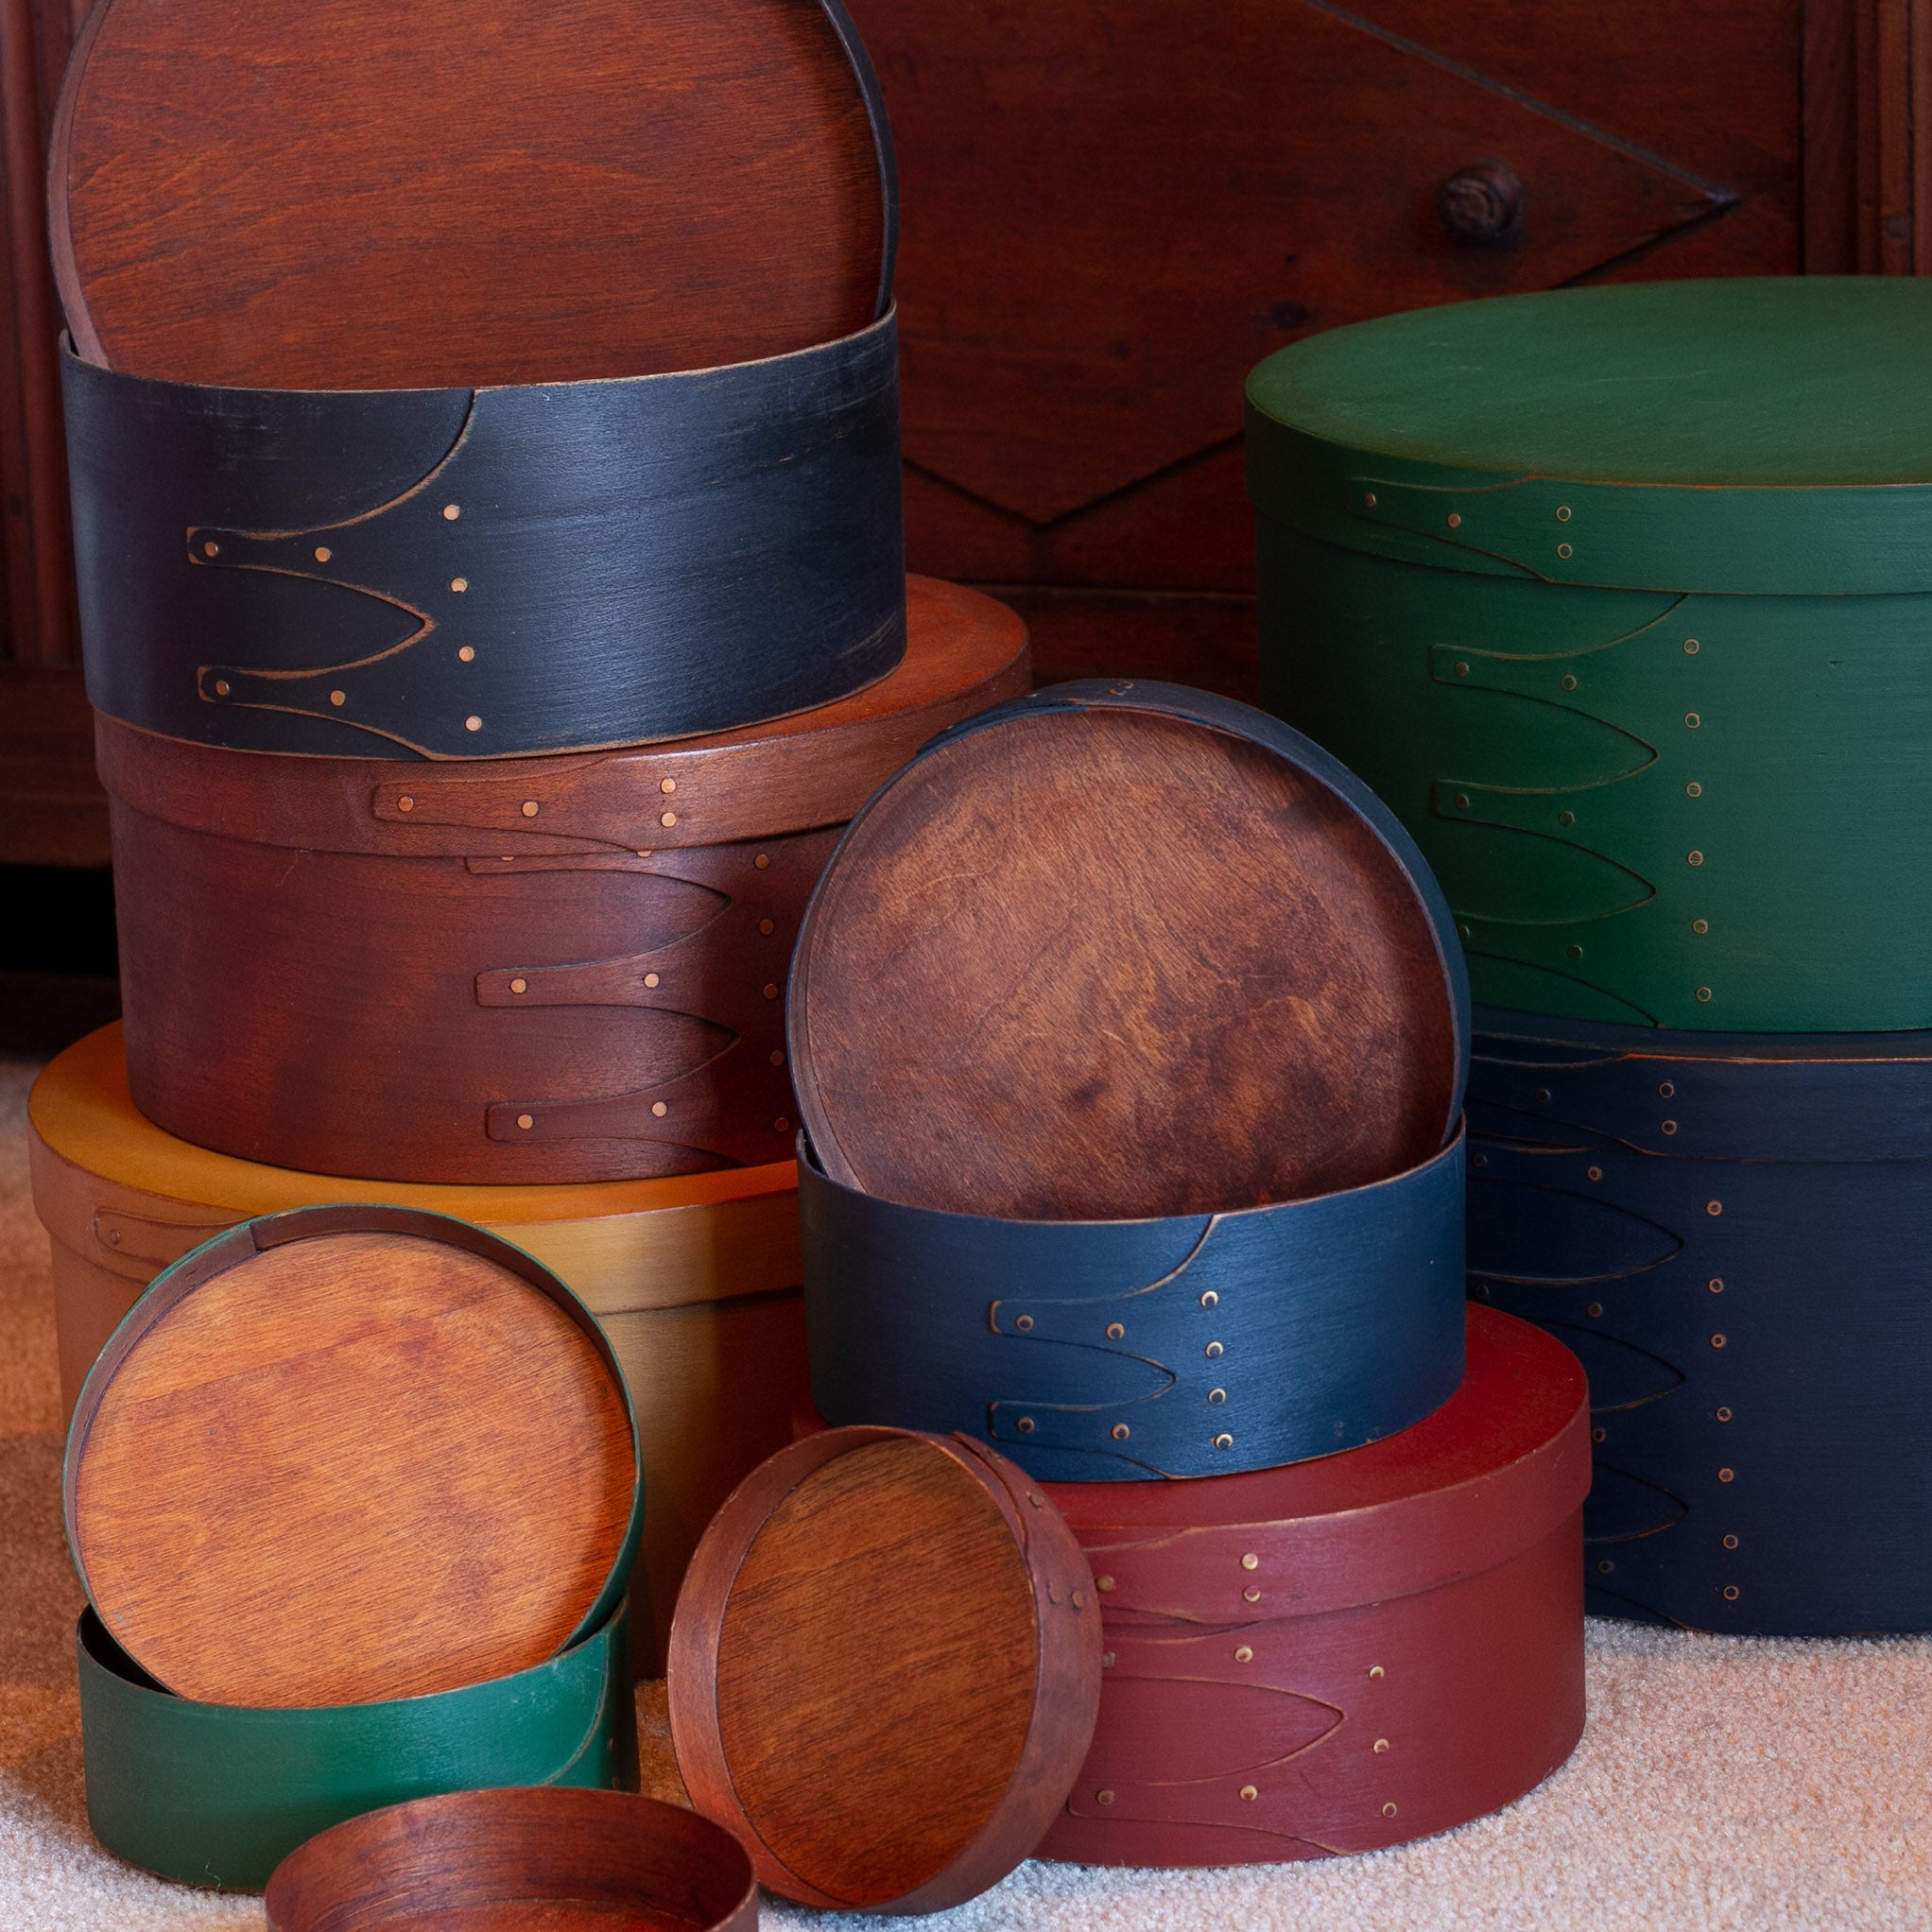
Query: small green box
(1622, 599)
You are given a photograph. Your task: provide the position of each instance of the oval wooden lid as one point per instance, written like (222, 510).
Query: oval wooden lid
(1757, 381)
(964, 653)
(346, 194)
(1500, 1464)
(885, 1669)
(344, 1455)
(549, 1859)
(1125, 951)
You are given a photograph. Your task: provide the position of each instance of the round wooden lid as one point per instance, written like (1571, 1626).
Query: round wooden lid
(1125, 951)
(1757, 381)
(885, 1669)
(350, 1454)
(550, 1860)
(345, 194)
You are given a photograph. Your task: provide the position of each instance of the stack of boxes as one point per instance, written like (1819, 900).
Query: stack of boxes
(494, 601)
(1618, 596)
(1129, 1033)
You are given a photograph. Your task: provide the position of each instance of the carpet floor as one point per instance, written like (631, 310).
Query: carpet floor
(1722, 1783)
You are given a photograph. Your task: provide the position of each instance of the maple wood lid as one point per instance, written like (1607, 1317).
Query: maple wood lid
(346, 194)
(488, 1861)
(343, 1454)
(1125, 950)
(885, 1669)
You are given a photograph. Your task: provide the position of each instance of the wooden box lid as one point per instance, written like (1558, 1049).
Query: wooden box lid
(350, 1454)
(1749, 435)
(1124, 950)
(352, 195)
(493, 1861)
(885, 1669)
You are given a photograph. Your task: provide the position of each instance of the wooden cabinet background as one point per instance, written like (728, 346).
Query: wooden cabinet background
(1112, 209)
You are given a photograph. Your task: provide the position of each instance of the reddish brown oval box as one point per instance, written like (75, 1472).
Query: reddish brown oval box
(503, 971)
(1345, 1653)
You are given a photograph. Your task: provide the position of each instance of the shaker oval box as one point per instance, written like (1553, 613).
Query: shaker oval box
(1618, 595)
(407, 453)
(1730, 1231)
(1128, 1031)
(217, 1795)
(501, 973)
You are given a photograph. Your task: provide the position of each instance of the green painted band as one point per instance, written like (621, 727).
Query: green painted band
(1744, 541)
(216, 1795)
(1646, 809)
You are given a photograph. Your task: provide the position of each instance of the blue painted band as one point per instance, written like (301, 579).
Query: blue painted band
(490, 572)
(1749, 1292)
(1109, 1351)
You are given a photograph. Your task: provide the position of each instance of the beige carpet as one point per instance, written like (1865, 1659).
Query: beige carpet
(1722, 1782)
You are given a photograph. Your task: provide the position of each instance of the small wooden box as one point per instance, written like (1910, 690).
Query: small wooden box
(1618, 596)
(217, 1795)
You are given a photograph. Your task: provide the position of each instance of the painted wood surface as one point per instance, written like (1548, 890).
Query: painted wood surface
(493, 572)
(345, 1455)
(558, 1858)
(1648, 805)
(344, 196)
(217, 1795)
(985, 1019)
(1730, 1233)
(693, 1280)
(864, 1594)
(515, 972)
(1132, 1350)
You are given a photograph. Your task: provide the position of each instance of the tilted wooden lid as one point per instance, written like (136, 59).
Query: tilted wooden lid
(347, 194)
(551, 1859)
(347, 1454)
(1123, 951)
(885, 1669)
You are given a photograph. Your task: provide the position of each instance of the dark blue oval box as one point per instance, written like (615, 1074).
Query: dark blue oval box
(1100, 1348)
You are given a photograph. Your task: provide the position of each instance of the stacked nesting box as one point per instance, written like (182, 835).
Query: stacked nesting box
(484, 440)
(1129, 1036)
(1619, 597)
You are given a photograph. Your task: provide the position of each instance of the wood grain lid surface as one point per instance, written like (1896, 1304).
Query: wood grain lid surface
(351, 1454)
(963, 652)
(885, 1669)
(1120, 951)
(554, 1859)
(345, 194)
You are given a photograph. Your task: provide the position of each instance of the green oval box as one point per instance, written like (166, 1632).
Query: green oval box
(217, 1795)
(1622, 599)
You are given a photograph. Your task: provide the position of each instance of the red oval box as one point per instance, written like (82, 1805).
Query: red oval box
(1347, 1653)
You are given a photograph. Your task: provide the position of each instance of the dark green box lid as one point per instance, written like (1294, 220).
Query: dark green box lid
(1760, 436)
